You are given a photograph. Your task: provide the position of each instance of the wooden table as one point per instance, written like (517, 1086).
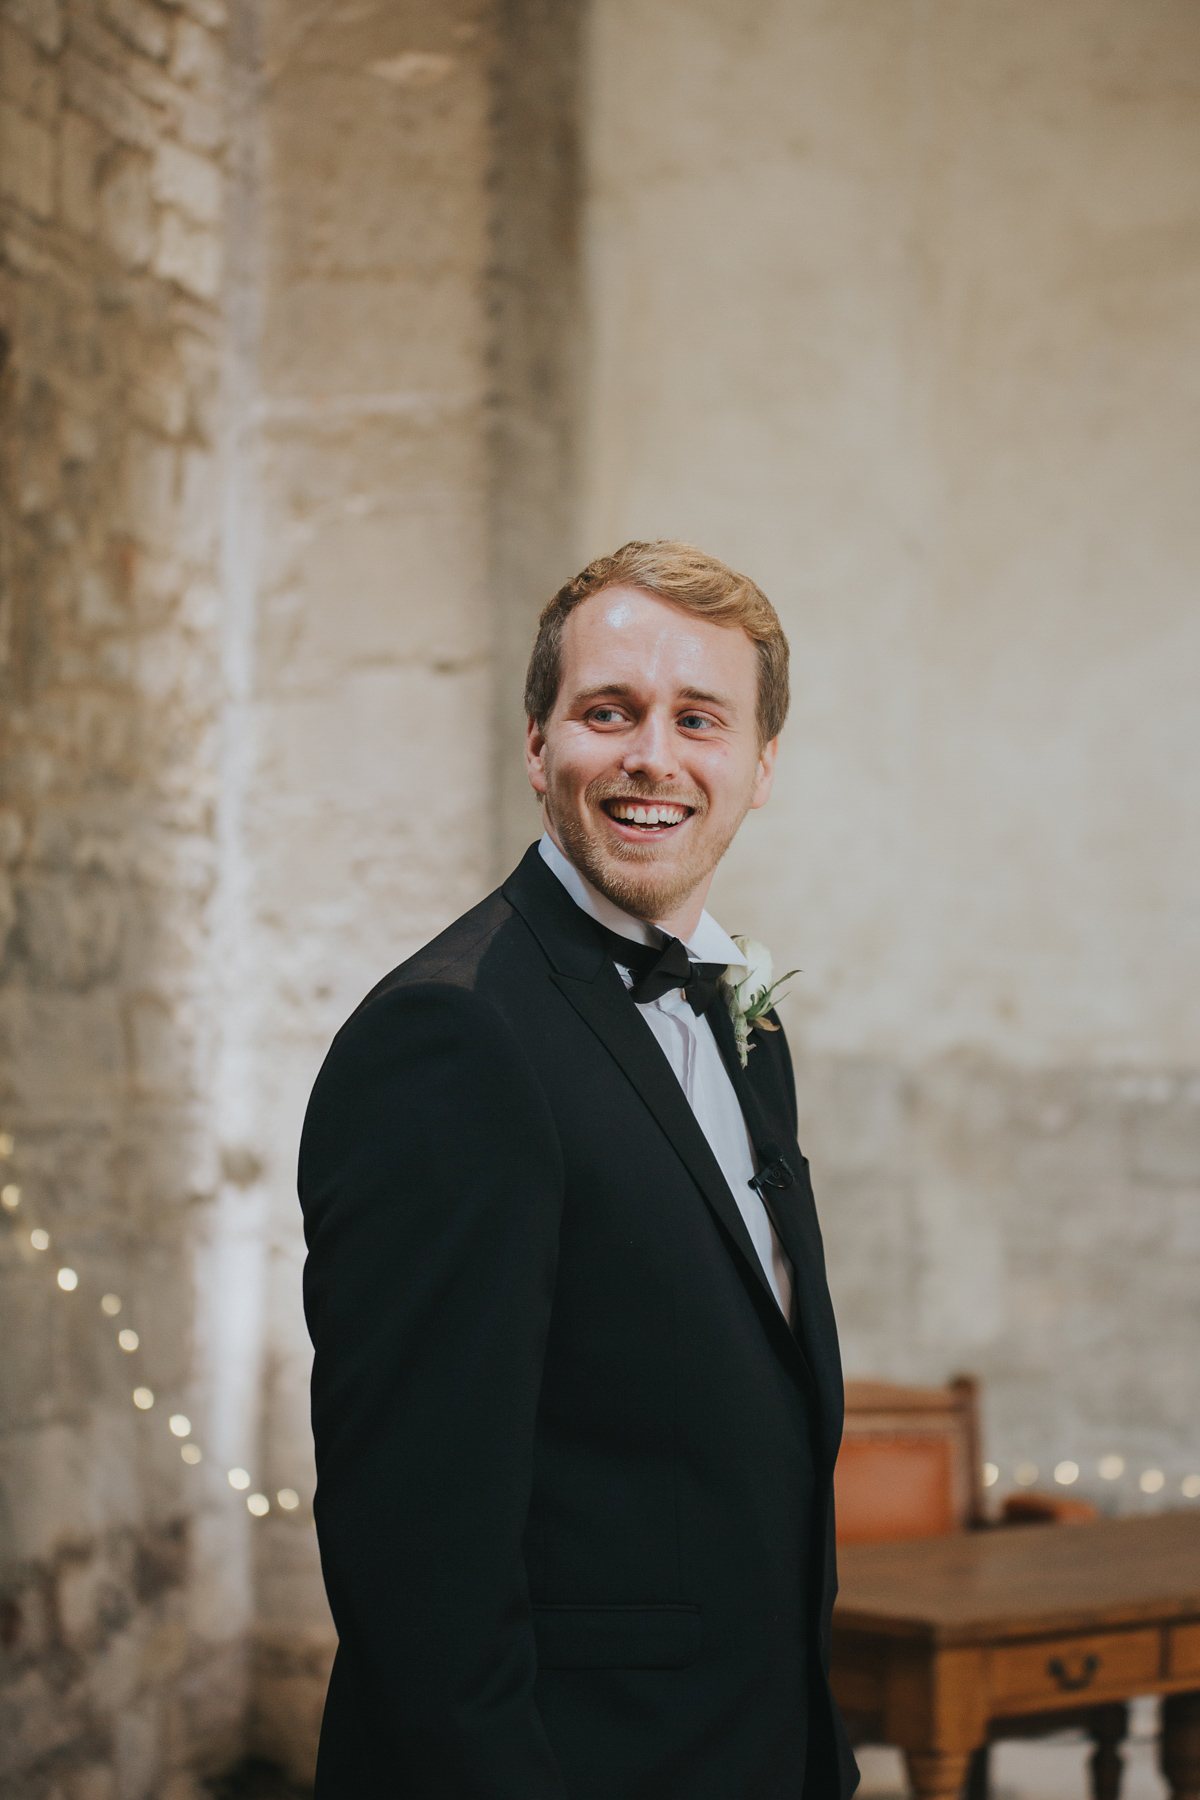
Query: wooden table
(935, 1640)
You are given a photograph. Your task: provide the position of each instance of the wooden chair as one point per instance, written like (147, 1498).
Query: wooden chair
(910, 1467)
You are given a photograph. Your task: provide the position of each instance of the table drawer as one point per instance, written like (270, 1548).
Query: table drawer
(1184, 1655)
(1071, 1671)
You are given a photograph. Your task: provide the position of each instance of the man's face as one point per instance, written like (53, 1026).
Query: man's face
(650, 759)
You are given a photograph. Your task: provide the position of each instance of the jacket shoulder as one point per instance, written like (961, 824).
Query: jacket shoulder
(453, 957)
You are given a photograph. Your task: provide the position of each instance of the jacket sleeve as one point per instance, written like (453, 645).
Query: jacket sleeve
(431, 1182)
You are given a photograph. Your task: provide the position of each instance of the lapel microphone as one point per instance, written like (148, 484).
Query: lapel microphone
(776, 1172)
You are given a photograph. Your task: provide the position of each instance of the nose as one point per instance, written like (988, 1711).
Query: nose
(650, 751)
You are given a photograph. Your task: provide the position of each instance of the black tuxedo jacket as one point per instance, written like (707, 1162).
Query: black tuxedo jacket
(574, 1470)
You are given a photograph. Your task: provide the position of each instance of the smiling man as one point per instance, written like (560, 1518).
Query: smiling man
(576, 1394)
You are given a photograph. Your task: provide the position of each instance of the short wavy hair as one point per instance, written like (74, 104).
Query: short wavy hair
(687, 578)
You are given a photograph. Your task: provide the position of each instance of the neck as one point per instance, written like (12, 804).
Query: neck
(680, 922)
(685, 918)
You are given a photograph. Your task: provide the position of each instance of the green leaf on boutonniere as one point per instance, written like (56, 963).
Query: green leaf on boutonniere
(752, 995)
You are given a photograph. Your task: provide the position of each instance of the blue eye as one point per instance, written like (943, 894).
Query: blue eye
(693, 722)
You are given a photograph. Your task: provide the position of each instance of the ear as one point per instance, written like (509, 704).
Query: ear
(535, 756)
(765, 777)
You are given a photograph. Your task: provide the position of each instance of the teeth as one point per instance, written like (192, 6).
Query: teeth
(648, 815)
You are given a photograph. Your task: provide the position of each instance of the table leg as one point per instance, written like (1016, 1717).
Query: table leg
(1179, 1748)
(937, 1774)
(1107, 1727)
(979, 1785)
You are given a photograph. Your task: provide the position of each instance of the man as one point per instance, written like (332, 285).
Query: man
(576, 1394)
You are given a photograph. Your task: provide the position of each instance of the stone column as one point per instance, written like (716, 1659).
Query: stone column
(361, 795)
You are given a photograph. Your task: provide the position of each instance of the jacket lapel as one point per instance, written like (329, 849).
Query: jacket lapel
(793, 1213)
(605, 1005)
(586, 977)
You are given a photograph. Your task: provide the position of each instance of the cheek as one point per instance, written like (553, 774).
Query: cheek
(576, 762)
(727, 776)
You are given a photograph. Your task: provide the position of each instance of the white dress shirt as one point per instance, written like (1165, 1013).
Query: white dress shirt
(691, 1049)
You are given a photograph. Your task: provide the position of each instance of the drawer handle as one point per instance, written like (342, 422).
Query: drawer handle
(1072, 1684)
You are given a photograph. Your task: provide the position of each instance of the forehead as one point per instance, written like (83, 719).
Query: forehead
(625, 634)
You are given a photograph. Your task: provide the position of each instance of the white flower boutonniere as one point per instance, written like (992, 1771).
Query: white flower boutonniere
(752, 996)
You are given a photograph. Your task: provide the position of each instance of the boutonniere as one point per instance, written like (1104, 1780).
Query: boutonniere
(752, 996)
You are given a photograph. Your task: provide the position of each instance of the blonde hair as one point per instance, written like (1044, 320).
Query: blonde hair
(687, 578)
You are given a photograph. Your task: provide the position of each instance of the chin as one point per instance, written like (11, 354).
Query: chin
(640, 881)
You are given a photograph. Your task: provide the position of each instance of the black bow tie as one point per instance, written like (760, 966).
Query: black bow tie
(657, 972)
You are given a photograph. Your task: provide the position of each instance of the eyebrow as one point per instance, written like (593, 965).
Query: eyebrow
(708, 699)
(621, 690)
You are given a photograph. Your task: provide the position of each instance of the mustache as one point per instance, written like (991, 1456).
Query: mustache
(642, 793)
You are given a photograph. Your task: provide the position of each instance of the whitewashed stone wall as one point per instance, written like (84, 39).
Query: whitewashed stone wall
(309, 402)
(897, 308)
(364, 767)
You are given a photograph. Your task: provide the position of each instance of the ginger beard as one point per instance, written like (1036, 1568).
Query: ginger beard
(651, 880)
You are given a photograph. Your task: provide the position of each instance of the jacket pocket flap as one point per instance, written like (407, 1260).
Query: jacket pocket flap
(616, 1637)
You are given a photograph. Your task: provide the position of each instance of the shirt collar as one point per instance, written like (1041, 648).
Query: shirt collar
(708, 943)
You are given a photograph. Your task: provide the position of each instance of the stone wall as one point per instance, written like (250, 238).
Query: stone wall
(897, 308)
(313, 390)
(250, 293)
(364, 774)
(121, 1665)
(538, 313)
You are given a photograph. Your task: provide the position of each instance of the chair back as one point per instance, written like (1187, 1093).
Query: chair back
(909, 1464)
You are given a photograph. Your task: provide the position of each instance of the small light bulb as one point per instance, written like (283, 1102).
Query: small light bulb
(191, 1453)
(239, 1479)
(68, 1280)
(39, 1239)
(128, 1340)
(1151, 1481)
(1025, 1474)
(259, 1504)
(1065, 1473)
(288, 1498)
(7, 1143)
(991, 1474)
(143, 1398)
(180, 1424)
(10, 1194)
(1111, 1468)
(1190, 1486)
(111, 1304)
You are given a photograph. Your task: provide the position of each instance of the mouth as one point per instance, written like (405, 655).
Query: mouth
(646, 818)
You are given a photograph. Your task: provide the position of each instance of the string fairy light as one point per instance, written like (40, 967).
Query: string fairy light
(1110, 1467)
(68, 1281)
